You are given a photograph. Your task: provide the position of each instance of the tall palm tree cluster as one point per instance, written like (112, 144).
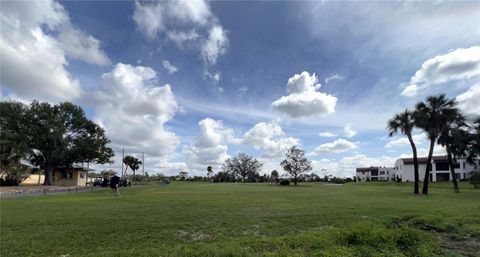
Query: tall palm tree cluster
(444, 124)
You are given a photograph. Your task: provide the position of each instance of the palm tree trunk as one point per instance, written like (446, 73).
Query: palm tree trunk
(428, 168)
(415, 164)
(452, 170)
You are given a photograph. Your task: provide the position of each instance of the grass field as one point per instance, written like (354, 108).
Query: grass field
(203, 219)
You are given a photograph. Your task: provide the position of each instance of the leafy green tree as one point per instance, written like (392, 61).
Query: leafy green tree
(183, 175)
(60, 135)
(274, 175)
(430, 116)
(132, 163)
(209, 171)
(473, 148)
(242, 165)
(454, 137)
(13, 146)
(296, 163)
(405, 123)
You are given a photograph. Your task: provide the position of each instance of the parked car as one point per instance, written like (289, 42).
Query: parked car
(124, 182)
(103, 182)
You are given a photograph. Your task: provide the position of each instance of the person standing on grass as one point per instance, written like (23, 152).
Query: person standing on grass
(114, 184)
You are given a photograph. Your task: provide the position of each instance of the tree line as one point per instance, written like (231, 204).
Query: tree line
(246, 168)
(49, 136)
(444, 123)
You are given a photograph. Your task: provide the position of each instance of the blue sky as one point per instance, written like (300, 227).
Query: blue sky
(191, 83)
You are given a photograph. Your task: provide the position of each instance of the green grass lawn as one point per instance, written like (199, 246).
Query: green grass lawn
(204, 219)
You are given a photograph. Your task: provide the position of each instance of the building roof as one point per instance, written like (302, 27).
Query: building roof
(77, 167)
(369, 169)
(423, 160)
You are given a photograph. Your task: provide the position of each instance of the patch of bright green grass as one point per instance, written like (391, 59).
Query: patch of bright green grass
(204, 219)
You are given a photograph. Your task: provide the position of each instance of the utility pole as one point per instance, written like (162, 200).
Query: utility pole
(123, 156)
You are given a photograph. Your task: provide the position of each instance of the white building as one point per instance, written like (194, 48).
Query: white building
(440, 170)
(375, 174)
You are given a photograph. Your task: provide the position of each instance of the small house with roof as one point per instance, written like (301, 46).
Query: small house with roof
(76, 175)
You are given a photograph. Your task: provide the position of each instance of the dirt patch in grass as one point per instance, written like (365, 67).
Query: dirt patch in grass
(193, 236)
(465, 246)
(451, 241)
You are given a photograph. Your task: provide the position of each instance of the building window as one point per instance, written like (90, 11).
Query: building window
(463, 165)
(382, 172)
(387, 172)
(441, 166)
(67, 175)
(363, 172)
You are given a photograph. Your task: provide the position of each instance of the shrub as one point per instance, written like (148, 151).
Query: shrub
(475, 179)
(12, 180)
(284, 182)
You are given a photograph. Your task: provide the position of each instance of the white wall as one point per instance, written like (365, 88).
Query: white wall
(406, 172)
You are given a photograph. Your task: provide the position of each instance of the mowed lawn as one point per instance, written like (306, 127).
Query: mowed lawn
(205, 219)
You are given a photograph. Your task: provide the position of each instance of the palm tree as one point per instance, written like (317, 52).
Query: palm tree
(404, 123)
(452, 137)
(430, 116)
(473, 152)
(132, 163)
(209, 171)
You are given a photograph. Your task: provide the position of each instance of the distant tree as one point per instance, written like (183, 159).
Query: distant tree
(107, 173)
(132, 163)
(314, 177)
(242, 165)
(183, 175)
(405, 123)
(430, 116)
(209, 171)
(296, 163)
(274, 176)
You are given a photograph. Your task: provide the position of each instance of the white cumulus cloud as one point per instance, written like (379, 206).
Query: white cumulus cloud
(133, 109)
(418, 139)
(304, 99)
(460, 64)
(184, 22)
(210, 147)
(349, 131)
(169, 67)
(337, 146)
(269, 137)
(469, 101)
(36, 39)
(215, 45)
(327, 134)
(333, 77)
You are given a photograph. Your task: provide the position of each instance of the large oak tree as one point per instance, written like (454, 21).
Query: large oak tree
(57, 135)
